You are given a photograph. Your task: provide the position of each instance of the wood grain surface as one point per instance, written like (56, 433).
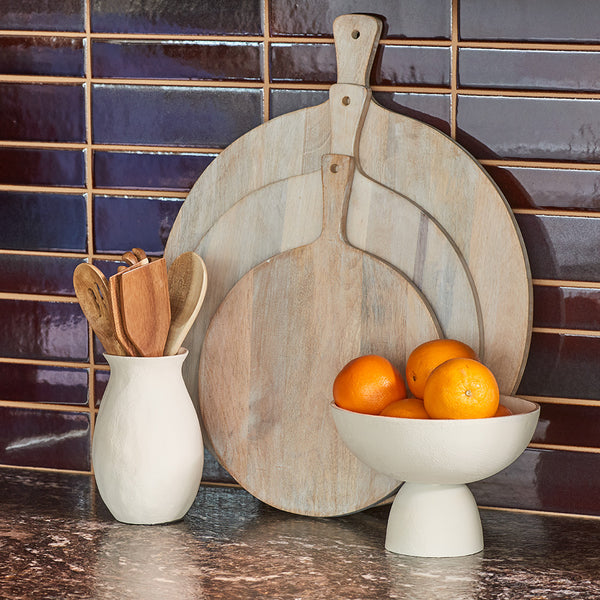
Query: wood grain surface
(274, 347)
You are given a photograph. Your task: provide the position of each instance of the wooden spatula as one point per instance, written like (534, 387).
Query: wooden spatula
(92, 291)
(187, 288)
(145, 306)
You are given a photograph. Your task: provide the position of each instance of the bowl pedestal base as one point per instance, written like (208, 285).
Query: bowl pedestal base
(434, 520)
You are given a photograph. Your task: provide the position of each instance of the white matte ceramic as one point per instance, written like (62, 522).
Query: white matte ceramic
(434, 512)
(147, 448)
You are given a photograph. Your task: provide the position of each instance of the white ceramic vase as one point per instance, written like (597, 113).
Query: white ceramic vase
(147, 449)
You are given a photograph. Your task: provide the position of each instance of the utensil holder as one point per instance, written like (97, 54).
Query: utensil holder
(147, 449)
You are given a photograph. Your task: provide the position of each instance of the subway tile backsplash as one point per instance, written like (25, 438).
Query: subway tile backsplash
(111, 109)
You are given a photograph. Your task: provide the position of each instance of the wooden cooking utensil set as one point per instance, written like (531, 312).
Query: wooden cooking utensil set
(144, 309)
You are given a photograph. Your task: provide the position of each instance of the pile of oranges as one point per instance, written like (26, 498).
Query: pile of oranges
(444, 376)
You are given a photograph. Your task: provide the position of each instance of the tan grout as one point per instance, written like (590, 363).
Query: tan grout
(454, 68)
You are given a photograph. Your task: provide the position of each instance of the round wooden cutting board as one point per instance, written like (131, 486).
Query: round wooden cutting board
(418, 203)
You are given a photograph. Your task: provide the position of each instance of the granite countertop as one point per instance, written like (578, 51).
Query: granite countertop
(58, 540)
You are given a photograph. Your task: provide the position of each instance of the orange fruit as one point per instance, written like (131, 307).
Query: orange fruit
(409, 408)
(426, 357)
(503, 411)
(367, 384)
(461, 388)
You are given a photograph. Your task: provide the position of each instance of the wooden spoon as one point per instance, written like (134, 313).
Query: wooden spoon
(187, 288)
(115, 301)
(92, 291)
(145, 306)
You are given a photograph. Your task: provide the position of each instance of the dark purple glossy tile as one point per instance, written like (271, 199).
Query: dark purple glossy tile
(125, 223)
(43, 384)
(34, 221)
(42, 56)
(401, 18)
(394, 65)
(529, 69)
(548, 480)
(42, 112)
(285, 101)
(566, 307)
(100, 382)
(534, 20)
(226, 61)
(43, 15)
(45, 438)
(174, 115)
(43, 330)
(562, 366)
(37, 274)
(152, 171)
(32, 166)
(562, 247)
(544, 189)
(196, 17)
(530, 128)
(429, 108)
(568, 425)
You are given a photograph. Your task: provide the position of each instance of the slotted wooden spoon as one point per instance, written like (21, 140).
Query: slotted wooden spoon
(92, 291)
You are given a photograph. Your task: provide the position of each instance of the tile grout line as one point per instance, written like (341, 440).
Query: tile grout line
(266, 62)
(453, 67)
(89, 208)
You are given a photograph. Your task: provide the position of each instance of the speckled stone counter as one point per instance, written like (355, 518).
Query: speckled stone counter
(57, 540)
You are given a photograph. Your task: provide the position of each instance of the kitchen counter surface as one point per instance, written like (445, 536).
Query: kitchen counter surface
(58, 540)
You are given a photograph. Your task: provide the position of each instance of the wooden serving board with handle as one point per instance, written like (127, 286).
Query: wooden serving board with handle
(410, 158)
(274, 347)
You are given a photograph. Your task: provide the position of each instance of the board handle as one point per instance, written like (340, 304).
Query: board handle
(337, 173)
(356, 38)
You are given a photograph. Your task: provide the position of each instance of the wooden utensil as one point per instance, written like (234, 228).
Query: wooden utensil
(145, 309)
(115, 301)
(91, 289)
(274, 347)
(187, 281)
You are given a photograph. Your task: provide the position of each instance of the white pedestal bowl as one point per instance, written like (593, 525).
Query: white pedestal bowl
(434, 512)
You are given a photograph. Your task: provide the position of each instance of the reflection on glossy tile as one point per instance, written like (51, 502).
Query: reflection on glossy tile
(394, 65)
(42, 112)
(563, 366)
(41, 56)
(32, 166)
(285, 101)
(43, 330)
(43, 384)
(43, 221)
(562, 247)
(529, 69)
(177, 116)
(549, 480)
(534, 20)
(532, 128)
(568, 425)
(37, 274)
(156, 171)
(197, 17)
(566, 307)
(401, 18)
(228, 61)
(125, 223)
(571, 189)
(55, 15)
(45, 438)
(100, 382)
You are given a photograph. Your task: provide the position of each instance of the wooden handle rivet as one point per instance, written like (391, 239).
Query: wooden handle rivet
(356, 34)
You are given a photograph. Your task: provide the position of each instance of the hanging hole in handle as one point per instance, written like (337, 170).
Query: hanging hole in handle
(346, 100)
(334, 167)
(355, 34)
